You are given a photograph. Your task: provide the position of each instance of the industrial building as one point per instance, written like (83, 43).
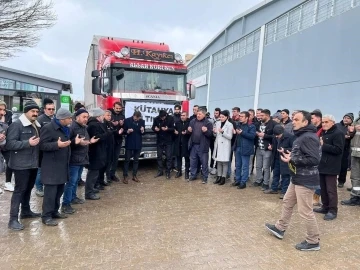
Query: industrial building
(283, 54)
(16, 87)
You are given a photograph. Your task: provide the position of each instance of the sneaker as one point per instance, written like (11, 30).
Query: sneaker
(257, 184)
(9, 187)
(305, 246)
(77, 201)
(352, 201)
(204, 181)
(39, 193)
(67, 209)
(270, 191)
(265, 187)
(274, 231)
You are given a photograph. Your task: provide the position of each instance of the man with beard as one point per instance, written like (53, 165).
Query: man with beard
(55, 145)
(195, 110)
(97, 152)
(117, 119)
(303, 162)
(181, 143)
(23, 143)
(78, 159)
(344, 127)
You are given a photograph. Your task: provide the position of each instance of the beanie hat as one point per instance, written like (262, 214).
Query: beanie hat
(96, 112)
(78, 106)
(63, 113)
(80, 111)
(350, 115)
(29, 105)
(47, 101)
(277, 115)
(278, 130)
(286, 110)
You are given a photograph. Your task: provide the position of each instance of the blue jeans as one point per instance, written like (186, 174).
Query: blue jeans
(285, 178)
(71, 185)
(318, 191)
(195, 157)
(38, 184)
(242, 167)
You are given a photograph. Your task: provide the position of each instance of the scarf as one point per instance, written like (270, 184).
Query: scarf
(64, 129)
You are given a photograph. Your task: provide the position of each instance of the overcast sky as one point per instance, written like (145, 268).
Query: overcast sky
(186, 25)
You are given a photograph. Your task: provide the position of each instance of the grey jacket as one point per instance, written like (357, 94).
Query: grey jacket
(3, 129)
(44, 119)
(22, 155)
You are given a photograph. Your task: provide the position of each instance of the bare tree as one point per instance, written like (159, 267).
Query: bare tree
(20, 23)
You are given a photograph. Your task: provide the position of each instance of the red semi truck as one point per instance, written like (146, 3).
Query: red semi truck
(142, 75)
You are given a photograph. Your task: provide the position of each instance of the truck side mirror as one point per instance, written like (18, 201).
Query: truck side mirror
(95, 86)
(95, 73)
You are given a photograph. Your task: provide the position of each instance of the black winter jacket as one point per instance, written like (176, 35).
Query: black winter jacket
(164, 137)
(79, 153)
(117, 117)
(332, 150)
(44, 119)
(269, 133)
(286, 142)
(305, 157)
(181, 144)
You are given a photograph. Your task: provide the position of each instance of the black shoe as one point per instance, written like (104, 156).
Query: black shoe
(330, 216)
(29, 214)
(92, 197)
(265, 187)
(77, 201)
(104, 184)
(95, 190)
(222, 181)
(349, 189)
(15, 225)
(115, 178)
(99, 187)
(235, 184)
(353, 201)
(159, 174)
(108, 180)
(178, 174)
(340, 185)
(218, 179)
(186, 176)
(204, 181)
(192, 178)
(168, 176)
(275, 231)
(59, 216)
(305, 246)
(256, 184)
(49, 222)
(81, 183)
(67, 209)
(320, 210)
(242, 186)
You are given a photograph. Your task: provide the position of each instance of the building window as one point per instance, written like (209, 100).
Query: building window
(198, 70)
(281, 27)
(307, 15)
(7, 84)
(323, 10)
(341, 6)
(26, 86)
(294, 20)
(256, 40)
(270, 32)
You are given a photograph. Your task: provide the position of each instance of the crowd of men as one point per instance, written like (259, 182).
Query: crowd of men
(307, 153)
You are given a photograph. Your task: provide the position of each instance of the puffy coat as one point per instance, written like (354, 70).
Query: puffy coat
(332, 150)
(222, 146)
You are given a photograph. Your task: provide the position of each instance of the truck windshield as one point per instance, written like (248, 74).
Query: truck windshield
(150, 81)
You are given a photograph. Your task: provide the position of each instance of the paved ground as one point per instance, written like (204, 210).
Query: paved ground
(173, 224)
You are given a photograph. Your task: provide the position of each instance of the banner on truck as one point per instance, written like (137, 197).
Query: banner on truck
(148, 110)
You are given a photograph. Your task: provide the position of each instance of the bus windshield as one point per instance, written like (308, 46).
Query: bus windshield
(150, 81)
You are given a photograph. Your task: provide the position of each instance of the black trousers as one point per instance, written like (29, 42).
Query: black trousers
(344, 167)
(329, 196)
(101, 177)
(9, 171)
(187, 164)
(24, 183)
(212, 146)
(131, 153)
(51, 200)
(91, 179)
(114, 163)
(167, 148)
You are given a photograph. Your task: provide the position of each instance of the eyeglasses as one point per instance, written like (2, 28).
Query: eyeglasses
(51, 109)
